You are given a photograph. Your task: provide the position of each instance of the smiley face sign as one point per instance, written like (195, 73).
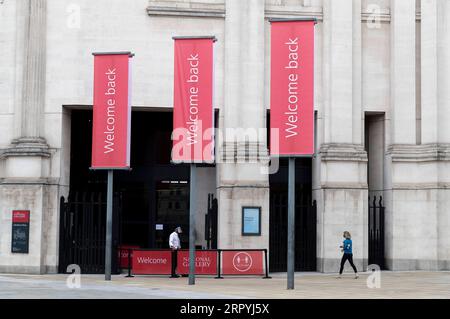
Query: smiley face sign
(242, 262)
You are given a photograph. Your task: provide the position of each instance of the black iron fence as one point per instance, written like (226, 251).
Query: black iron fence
(305, 231)
(82, 232)
(376, 232)
(211, 223)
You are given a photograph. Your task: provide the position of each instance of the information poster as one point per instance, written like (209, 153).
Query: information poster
(251, 221)
(20, 231)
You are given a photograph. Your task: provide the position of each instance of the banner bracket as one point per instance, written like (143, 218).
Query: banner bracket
(206, 37)
(292, 19)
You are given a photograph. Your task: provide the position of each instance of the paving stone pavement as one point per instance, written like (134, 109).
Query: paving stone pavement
(308, 285)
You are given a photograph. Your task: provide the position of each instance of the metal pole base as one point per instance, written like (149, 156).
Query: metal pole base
(192, 212)
(291, 226)
(109, 223)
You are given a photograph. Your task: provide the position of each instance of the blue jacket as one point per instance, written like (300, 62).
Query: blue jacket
(348, 246)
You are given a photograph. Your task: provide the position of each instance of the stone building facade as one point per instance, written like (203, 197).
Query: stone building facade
(382, 72)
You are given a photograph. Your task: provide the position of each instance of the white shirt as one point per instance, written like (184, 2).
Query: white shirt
(174, 241)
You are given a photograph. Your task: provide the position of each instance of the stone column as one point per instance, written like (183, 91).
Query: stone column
(443, 84)
(343, 161)
(403, 71)
(444, 69)
(412, 168)
(241, 180)
(30, 143)
(429, 69)
(25, 185)
(358, 114)
(338, 63)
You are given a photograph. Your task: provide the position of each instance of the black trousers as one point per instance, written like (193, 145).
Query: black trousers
(346, 257)
(174, 262)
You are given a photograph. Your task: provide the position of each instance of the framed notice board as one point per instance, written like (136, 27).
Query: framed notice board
(20, 231)
(251, 221)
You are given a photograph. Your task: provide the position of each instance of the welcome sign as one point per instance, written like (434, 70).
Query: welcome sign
(193, 135)
(112, 111)
(292, 87)
(145, 262)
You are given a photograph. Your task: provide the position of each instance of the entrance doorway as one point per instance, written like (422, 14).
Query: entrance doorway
(305, 218)
(375, 147)
(172, 201)
(150, 200)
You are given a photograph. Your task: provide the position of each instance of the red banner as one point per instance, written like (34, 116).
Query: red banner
(292, 88)
(122, 252)
(152, 262)
(112, 111)
(243, 262)
(21, 216)
(205, 262)
(193, 135)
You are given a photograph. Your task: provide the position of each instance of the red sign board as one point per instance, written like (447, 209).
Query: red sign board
(193, 130)
(112, 111)
(152, 262)
(292, 88)
(243, 262)
(123, 254)
(21, 216)
(205, 262)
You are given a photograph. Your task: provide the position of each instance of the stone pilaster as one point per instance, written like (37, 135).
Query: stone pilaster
(341, 159)
(403, 71)
(25, 184)
(411, 165)
(429, 71)
(338, 64)
(358, 117)
(241, 180)
(443, 80)
(31, 143)
(443, 48)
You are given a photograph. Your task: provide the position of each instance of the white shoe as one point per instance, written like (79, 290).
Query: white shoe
(356, 276)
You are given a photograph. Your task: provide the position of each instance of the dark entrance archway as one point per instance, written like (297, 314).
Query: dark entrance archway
(152, 199)
(305, 218)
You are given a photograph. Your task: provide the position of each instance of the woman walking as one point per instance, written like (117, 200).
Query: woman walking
(348, 254)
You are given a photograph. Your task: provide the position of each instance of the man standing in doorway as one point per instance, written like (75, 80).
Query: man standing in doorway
(174, 244)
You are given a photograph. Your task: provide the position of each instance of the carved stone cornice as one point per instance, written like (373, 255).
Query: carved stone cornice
(195, 8)
(419, 153)
(27, 146)
(342, 152)
(44, 181)
(344, 186)
(420, 186)
(216, 9)
(273, 9)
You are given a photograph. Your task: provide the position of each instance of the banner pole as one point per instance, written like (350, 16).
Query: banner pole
(108, 247)
(291, 225)
(192, 210)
